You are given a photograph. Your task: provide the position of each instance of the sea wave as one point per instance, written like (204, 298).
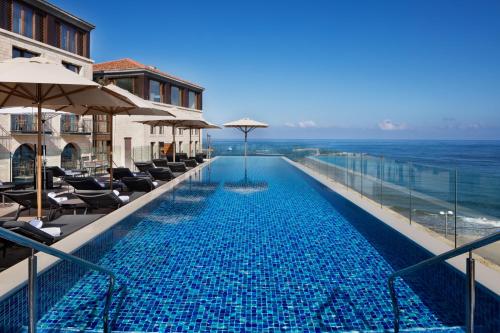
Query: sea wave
(481, 220)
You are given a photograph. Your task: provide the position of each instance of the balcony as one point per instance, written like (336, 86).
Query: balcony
(72, 124)
(26, 124)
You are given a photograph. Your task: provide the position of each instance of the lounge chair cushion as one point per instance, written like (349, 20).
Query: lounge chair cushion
(36, 223)
(53, 231)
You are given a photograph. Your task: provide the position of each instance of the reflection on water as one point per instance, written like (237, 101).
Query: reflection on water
(246, 185)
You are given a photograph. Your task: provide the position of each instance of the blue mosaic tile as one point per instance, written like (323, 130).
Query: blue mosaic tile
(258, 251)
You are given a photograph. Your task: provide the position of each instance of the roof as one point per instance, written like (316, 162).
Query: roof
(61, 13)
(130, 64)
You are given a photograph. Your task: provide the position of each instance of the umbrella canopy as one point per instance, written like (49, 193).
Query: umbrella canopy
(136, 106)
(46, 113)
(181, 120)
(30, 81)
(246, 125)
(43, 83)
(205, 125)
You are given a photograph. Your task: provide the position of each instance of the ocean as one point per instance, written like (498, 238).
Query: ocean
(434, 165)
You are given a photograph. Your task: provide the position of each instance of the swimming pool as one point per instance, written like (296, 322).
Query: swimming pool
(258, 248)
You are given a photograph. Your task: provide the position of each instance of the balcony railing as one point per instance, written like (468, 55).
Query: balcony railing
(73, 125)
(26, 124)
(101, 126)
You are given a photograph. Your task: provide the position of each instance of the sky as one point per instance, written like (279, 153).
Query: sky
(422, 69)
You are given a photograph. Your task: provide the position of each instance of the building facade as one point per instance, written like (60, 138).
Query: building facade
(133, 141)
(31, 28)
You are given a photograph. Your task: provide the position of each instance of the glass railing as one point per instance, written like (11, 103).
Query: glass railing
(71, 124)
(433, 197)
(455, 205)
(26, 124)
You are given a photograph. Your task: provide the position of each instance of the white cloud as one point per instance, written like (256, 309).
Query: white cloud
(307, 124)
(389, 125)
(290, 125)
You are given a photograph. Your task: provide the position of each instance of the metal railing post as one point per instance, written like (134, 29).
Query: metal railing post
(32, 292)
(409, 190)
(362, 170)
(347, 170)
(470, 301)
(381, 181)
(455, 213)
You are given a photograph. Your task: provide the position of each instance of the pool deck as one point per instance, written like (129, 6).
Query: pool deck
(485, 275)
(16, 276)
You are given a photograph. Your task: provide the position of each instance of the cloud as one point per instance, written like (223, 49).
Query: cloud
(389, 125)
(307, 124)
(302, 124)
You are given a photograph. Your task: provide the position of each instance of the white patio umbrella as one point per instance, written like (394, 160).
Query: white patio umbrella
(246, 125)
(182, 119)
(204, 125)
(42, 83)
(137, 107)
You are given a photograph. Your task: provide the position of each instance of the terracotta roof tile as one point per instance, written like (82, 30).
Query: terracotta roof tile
(127, 64)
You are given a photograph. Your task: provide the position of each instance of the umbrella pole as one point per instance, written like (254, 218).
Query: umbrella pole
(173, 143)
(190, 142)
(39, 153)
(246, 134)
(199, 141)
(111, 154)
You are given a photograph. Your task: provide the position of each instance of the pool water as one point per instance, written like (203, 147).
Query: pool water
(256, 249)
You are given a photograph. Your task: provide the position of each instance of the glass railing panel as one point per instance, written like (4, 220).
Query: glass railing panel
(394, 190)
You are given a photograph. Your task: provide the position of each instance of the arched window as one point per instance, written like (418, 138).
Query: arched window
(70, 157)
(23, 161)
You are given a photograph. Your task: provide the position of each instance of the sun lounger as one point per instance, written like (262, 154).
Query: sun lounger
(119, 173)
(144, 166)
(90, 184)
(200, 157)
(164, 174)
(160, 162)
(177, 167)
(27, 199)
(109, 200)
(66, 224)
(139, 184)
(178, 157)
(190, 163)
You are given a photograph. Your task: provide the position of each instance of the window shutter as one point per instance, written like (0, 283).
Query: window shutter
(6, 14)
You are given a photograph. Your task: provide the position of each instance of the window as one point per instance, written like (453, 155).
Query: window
(23, 20)
(20, 53)
(126, 83)
(71, 67)
(69, 39)
(175, 96)
(151, 130)
(154, 91)
(192, 99)
(161, 130)
(180, 146)
(180, 131)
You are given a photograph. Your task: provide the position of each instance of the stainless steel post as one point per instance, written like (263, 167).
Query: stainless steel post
(347, 170)
(455, 213)
(470, 301)
(409, 190)
(381, 181)
(362, 170)
(32, 292)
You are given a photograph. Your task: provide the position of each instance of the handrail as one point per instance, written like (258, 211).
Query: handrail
(439, 258)
(25, 241)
